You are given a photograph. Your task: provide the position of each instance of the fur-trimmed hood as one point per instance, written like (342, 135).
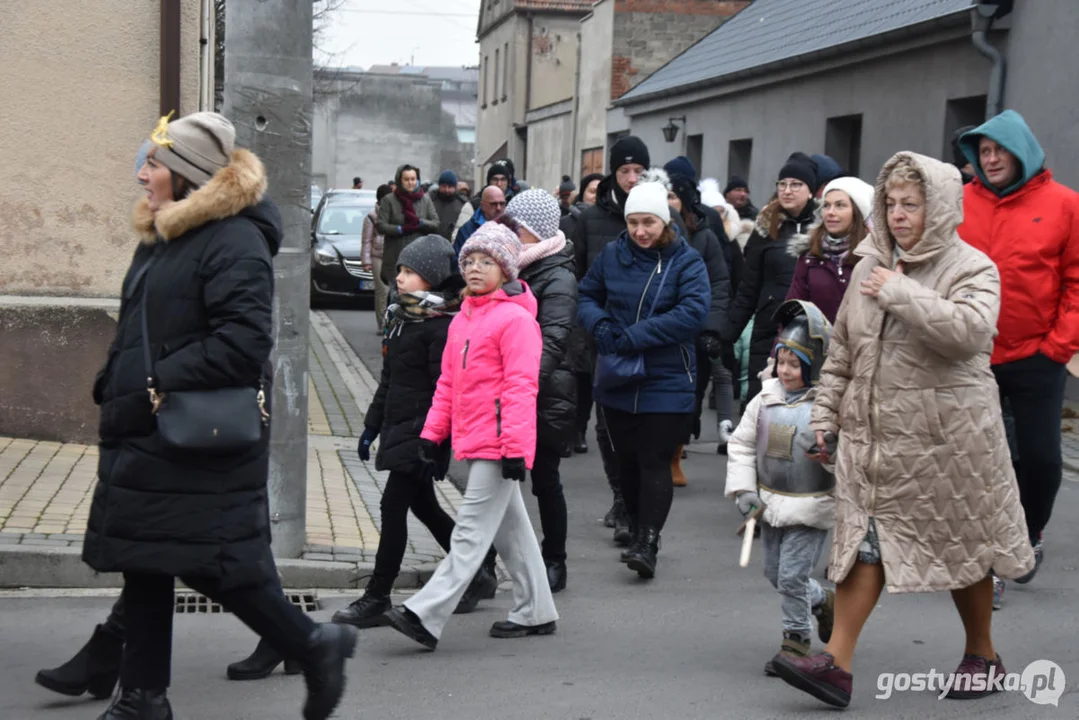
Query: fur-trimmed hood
(232, 191)
(804, 225)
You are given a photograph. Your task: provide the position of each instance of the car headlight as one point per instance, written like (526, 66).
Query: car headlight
(326, 256)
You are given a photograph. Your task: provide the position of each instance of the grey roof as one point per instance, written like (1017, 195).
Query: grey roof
(768, 31)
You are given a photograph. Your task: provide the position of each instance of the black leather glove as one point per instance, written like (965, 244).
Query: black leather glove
(428, 457)
(712, 344)
(364, 448)
(513, 469)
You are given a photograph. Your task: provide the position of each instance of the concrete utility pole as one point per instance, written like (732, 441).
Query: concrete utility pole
(268, 96)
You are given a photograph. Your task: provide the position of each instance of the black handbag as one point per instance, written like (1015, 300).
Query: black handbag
(222, 421)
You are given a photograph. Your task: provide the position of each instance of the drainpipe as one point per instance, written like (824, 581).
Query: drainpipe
(982, 20)
(170, 57)
(528, 93)
(574, 154)
(206, 40)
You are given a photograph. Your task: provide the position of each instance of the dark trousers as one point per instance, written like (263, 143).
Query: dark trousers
(645, 444)
(704, 376)
(114, 624)
(606, 452)
(547, 487)
(148, 610)
(584, 401)
(1034, 390)
(403, 492)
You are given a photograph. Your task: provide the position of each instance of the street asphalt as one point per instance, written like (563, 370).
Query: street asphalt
(689, 644)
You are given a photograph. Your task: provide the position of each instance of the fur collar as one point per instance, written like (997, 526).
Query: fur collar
(235, 187)
(745, 229)
(798, 244)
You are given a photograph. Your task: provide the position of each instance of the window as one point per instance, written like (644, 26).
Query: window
(843, 141)
(498, 76)
(505, 69)
(958, 113)
(739, 156)
(694, 150)
(591, 161)
(484, 90)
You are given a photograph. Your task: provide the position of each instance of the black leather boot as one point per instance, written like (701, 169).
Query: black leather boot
(643, 557)
(261, 663)
(370, 610)
(139, 705)
(631, 548)
(556, 575)
(483, 586)
(624, 530)
(94, 669)
(617, 511)
(580, 445)
(328, 648)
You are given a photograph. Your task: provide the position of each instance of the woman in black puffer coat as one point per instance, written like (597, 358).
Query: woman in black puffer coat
(426, 298)
(769, 267)
(204, 274)
(546, 265)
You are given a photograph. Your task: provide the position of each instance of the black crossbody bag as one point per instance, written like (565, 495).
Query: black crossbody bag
(222, 421)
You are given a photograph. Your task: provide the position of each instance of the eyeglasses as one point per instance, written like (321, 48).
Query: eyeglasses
(484, 265)
(793, 186)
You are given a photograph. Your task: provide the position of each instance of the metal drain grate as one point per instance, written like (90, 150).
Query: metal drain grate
(190, 602)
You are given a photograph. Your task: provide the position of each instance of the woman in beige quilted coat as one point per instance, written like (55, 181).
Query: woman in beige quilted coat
(926, 497)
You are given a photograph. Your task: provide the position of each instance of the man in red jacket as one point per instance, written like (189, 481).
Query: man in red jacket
(1029, 225)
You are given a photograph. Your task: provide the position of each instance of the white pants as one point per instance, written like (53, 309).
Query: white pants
(493, 511)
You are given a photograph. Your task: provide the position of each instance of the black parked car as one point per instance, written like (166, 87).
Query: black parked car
(337, 270)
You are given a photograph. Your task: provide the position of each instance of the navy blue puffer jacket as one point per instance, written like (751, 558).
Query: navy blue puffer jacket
(621, 286)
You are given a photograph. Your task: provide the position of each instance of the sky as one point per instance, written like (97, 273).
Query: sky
(421, 32)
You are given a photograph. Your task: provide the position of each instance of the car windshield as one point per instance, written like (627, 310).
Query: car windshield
(343, 219)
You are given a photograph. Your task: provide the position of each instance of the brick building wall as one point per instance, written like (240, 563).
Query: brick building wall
(649, 33)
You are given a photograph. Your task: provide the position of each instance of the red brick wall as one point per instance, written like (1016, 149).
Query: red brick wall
(649, 33)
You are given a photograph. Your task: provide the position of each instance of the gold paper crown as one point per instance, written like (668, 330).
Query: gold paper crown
(160, 135)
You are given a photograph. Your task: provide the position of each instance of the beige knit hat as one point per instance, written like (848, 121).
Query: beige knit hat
(194, 147)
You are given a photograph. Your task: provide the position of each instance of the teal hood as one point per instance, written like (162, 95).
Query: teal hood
(1010, 131)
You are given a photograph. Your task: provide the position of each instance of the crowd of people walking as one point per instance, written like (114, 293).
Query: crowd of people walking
(863, 343)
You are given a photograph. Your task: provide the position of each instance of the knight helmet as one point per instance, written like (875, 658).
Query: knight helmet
(805, 329)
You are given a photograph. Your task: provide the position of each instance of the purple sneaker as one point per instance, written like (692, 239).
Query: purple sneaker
(816, 675)
(976, 677)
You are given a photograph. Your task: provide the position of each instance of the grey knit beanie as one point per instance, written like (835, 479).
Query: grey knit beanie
(536, 211)
(498, 241)
(195, 147)
(431, 257)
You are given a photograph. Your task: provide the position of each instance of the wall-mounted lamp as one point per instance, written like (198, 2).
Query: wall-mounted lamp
(670, 132)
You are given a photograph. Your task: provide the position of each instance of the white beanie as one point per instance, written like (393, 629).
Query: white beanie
(649, 197)
(860, 192)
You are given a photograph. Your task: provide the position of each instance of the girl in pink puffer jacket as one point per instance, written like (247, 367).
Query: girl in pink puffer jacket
(486, 399)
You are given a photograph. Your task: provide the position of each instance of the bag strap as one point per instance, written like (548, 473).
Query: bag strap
(142, 276)
(655, 300)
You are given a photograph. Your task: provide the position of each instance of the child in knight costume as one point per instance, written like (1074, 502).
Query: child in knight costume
(773, 462)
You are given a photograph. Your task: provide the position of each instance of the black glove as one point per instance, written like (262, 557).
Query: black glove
(428, 457)
(713, 346)
(364, 449)
(607, 335)
(513, 469)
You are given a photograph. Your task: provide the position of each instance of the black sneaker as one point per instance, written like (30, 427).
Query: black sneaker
(407, 623)
(483, 587)
(367, 612)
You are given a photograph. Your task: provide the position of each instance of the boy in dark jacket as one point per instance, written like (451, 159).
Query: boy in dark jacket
(416, 327)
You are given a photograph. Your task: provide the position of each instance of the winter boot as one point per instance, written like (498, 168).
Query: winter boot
(794, 646)
(580, 445)
(261, 663)
(625, 531)
(825, 614)
(616, 513)
(633, 544)
(556, 575)
(483, 586)
(677, 475)
(328, 647)
(94, 669)
(643, 557)
(370, 610)
(139, 705)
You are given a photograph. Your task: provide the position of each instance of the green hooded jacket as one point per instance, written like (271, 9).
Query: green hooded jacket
(1011, 132)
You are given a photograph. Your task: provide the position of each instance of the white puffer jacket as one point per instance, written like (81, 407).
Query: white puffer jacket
(780, 510)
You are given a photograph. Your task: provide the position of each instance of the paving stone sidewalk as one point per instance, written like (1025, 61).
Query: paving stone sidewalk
(46, 487)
